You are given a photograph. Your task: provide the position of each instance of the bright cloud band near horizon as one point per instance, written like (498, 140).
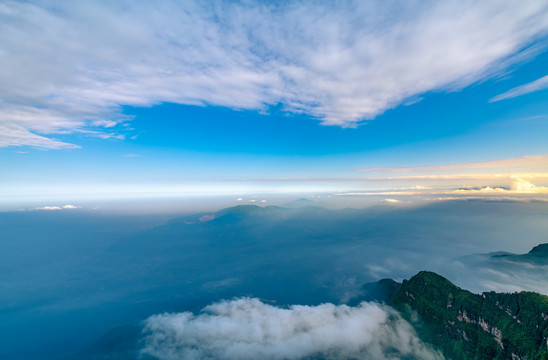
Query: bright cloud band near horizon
(70, 67)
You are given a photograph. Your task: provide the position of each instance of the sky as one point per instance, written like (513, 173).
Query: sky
(246, 100)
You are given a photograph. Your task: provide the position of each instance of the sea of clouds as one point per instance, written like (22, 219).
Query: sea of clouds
(247, 328)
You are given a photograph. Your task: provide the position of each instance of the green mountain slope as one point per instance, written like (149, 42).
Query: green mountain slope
(461, 324)
(470, 326)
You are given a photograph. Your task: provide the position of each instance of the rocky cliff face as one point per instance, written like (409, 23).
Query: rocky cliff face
(470, 326)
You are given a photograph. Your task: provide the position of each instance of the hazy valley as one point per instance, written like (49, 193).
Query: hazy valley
(102, 271)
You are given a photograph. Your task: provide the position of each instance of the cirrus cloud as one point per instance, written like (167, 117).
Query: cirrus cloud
(70, 66)
(537, 85)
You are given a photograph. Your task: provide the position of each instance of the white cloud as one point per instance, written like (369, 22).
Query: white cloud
(249, 329)
(12, 134)
(48, 208)
(70, 66)
(57, 207)
(539, 84)
(70, 207)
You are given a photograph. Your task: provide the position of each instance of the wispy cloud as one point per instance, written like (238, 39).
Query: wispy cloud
(70, 66)
(452, 177)
(529, 160)
(539, 84)
(12, 134)
(249, 329)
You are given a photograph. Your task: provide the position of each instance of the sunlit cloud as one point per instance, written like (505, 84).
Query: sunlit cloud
(537, 85)
(521, 185)
(486, 189)
(442, 185)
(480, 176)
(49, 208)
(489, 198)
(524, 161)
(57, 207)
(515, 176)
(518, 186)
(70, 207)
(71, 66)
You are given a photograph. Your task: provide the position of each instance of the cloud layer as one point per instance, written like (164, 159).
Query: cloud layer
(249, 329)
(69, 67)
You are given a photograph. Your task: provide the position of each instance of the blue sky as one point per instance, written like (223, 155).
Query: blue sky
(232, 98)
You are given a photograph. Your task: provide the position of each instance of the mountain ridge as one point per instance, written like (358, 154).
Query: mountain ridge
(537, 255)
(470, 326)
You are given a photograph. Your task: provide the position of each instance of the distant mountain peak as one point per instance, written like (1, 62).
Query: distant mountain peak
(538, 255)
(241, 208)
(541, 249)
(247, 209)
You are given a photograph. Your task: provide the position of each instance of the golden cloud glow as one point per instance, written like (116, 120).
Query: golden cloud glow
(509, 185)
(483, 176)
(524, 161)
(523, 186)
